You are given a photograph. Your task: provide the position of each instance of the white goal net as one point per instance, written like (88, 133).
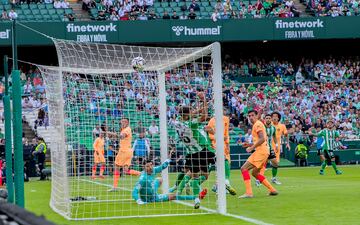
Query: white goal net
(130, 130)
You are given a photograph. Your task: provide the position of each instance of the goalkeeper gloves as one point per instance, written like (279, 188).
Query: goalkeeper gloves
(168, 161)
(140, 202)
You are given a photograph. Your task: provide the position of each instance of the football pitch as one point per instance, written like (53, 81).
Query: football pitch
(305, 198)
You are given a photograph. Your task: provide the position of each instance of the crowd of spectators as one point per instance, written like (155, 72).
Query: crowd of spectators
(147, 10)
(334, 8)
(325, 70)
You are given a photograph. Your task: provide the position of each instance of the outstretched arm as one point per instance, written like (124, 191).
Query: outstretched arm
(163, 166)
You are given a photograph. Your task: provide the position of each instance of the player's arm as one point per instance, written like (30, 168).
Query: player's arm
(136, 194)
(96, 147)
(260, 141)
(163, 166)
(202, 110)
(210, 127)
(285, 132)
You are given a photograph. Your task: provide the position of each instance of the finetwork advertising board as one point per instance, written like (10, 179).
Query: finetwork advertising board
(160, 31)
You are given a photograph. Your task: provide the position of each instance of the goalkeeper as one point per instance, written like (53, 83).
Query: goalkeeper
(146, 188)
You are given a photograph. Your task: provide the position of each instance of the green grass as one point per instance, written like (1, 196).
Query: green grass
(305, 198)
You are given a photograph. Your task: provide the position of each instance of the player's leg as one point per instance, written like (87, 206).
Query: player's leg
(102, 169)
(246, 176)
(179, 178)
(195, 185)
(263, 180)
(94, 167)
(274, 170)
(228, 187)
(117, 174)
(275, 165)
(322, 160)
(102, 165)
(184, 181)
(262, 170)
(333, 164)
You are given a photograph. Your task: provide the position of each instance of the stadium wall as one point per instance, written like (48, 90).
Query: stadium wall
(158, 31)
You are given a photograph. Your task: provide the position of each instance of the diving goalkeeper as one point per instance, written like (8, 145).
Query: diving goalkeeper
(146, 188)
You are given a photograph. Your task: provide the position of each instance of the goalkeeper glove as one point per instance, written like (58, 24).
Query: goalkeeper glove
(140, 202)
(168, 161)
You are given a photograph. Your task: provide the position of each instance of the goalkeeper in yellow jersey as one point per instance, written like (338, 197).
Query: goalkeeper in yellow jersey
(210, 129)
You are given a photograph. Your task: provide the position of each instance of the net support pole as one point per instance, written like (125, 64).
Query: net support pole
(18, 146)
(163, 130)
(8, 136)
(219, 134)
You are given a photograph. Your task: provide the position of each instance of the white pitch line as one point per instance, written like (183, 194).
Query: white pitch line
(247, 219)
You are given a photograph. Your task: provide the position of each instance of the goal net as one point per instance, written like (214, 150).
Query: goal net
(118, 113)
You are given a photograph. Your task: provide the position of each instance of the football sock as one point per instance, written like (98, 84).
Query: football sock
(195, 186)
(179, 178)
(94, 170)
(102, 168)
(323, 165)
(262, 170)
(246, 177)
(202, 179)
(227, 169)
(182, 184)
(265, 182)
(274, 171)
(116, 178)
(185, 197)
(334, 165)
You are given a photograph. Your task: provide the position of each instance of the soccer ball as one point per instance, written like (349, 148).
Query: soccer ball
(138, 63)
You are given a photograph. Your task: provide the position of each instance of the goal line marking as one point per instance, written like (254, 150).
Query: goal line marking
(247, 219)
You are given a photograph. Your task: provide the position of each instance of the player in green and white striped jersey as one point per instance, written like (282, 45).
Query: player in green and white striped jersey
(198, 151)
(327, 152)
(271, 135)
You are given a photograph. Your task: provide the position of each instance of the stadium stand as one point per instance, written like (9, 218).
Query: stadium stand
(296, 95)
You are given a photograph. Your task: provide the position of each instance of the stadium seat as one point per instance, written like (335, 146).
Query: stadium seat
(33, 6)
(7, 7)
(51, 11)
(49, 6)
(27, 12)
(47, 17)
(24, 6)
(157, 4)
(30, 17)
(55, 17)
(41, 6)
(38, 17)
(43, 11)
(60, 11)
(173, 4)
(35, 12)
(69, 11)
(22, 17)
(205, 3)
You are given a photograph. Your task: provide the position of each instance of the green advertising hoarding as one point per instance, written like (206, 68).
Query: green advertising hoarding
(161, 31)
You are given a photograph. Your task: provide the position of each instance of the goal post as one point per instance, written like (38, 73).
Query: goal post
(94, 87)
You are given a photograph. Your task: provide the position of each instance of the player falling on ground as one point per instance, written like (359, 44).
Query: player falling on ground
(198, 151)
(210, 129)
(281, 132)
(146, 188)
(99, 158)
(260, 153)
(271, 135)
(327, 152)
(125, 153)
